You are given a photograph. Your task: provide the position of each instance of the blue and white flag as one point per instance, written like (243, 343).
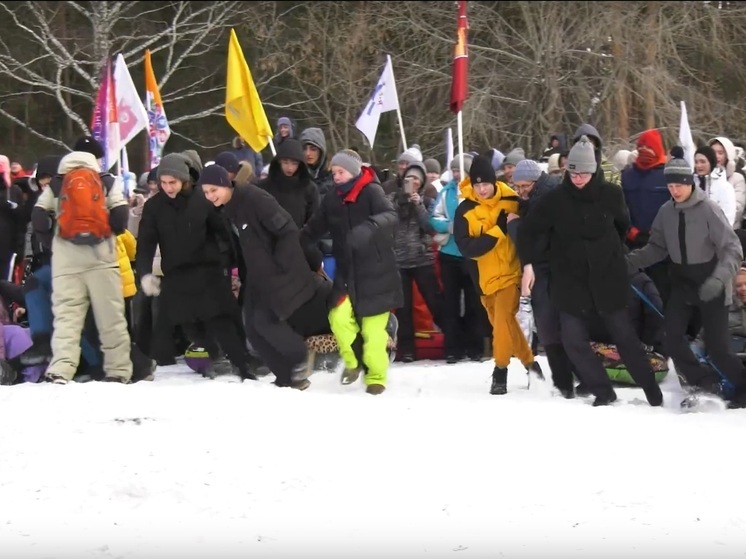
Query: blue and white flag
(383, 100)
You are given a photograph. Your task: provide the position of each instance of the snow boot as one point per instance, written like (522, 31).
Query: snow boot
(350, 375)
(499, 381)
(375, 389)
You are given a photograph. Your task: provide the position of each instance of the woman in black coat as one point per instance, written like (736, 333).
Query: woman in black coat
(195, 248)
(284, 301)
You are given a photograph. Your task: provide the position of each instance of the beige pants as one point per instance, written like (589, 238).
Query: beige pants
(71, 296)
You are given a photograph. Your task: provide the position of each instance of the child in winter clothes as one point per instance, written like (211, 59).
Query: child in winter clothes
(463, 334)
(705, 257)
(84, 276)
(711, 178)
(481, 231)
(367, 286)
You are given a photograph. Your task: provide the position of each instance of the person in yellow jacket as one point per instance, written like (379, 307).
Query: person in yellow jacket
(142, 366)
(480, 230)
(126, 249)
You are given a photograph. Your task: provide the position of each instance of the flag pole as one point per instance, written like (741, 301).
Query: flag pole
(272, 147)
(398, 107)
(460, 120)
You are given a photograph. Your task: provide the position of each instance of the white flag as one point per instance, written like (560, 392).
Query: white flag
(132, 116)
(685, 137)
(383, 100)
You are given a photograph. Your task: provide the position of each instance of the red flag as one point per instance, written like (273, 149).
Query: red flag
(459, 83)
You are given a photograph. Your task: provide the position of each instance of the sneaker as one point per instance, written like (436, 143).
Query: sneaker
(407, 357)
(54, 378)
(499, 381)
(350, 375)
(375, 389)
(301, 384)
(452, 359)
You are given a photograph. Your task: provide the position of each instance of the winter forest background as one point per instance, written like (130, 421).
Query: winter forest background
(534, 68)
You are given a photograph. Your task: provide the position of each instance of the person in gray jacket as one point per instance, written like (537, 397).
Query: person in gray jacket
(705, 257)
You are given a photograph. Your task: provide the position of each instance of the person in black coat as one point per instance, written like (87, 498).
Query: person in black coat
(195, 252)
(367, 286)
(13, 223)
(586, 221)
(284, 301)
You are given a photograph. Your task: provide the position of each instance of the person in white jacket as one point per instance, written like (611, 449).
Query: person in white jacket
(725, 153)
(712, 179)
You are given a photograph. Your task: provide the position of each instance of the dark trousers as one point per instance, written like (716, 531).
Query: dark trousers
(220, 335)
(714, 318)
(462, 332)
(547, 319)
(427, 284)
(588, 365)
(281, 344)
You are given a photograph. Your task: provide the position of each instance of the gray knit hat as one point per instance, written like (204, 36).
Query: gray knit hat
(455, 162)
(349, 160)
(527, 170)
(677, 170)
(514, 157)
(174, 165)
(582, 157)
(432, 166)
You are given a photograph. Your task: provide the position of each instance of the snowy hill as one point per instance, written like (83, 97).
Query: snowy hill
(435, 467)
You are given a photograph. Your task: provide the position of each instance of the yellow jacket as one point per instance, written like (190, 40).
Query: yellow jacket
(126, 248)
(479, 237)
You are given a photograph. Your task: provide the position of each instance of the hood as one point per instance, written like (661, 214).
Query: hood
(698, 196)
(514, 157)
(285, 120)
(77, 159)
(315, 137)
(416, 165)
(289, 149)
(652, 140)
(730, 151)
(562, 137)
(5, 169)
(590, 131)
(195, 161)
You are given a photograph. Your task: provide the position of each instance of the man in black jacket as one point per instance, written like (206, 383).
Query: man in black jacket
(586, 220)
(284, 300)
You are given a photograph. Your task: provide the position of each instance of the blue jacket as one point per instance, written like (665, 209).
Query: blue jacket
(644, 192)
(442, 214)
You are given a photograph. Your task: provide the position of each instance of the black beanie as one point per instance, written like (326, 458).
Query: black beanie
(481, 171)
(214, 175)
(709, 153)
(89, 144)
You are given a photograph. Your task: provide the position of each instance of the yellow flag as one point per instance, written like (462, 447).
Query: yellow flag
(243, 108)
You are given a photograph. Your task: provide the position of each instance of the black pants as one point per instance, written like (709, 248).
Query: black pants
(589, 367)
(462, 333)
(714, 318)
(220, 335)
(547, 319)
(281, 344)
(427, 284)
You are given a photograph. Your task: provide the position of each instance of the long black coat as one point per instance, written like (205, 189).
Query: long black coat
(195, 256)
(367, 271)
(278, 276)
(586, 229)
(12, 225)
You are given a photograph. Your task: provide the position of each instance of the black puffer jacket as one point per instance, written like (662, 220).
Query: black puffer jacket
(362, 224)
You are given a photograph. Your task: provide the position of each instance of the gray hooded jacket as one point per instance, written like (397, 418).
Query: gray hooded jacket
(694, 234)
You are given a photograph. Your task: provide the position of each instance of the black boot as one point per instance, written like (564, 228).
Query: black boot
(605, 399)
(499, 381)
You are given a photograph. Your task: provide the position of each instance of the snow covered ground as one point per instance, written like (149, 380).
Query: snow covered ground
(435, 467)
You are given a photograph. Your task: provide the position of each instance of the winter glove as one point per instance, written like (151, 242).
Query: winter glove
(360, 235)
(151, 285)
(711, 289)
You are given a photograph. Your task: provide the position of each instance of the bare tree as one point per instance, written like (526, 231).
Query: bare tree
(65, 45)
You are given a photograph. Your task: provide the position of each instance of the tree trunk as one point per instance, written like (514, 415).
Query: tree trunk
(651, 54)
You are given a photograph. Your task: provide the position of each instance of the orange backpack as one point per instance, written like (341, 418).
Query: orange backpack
(83, 218)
